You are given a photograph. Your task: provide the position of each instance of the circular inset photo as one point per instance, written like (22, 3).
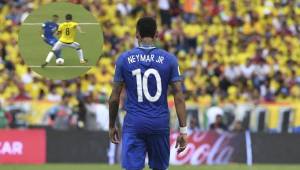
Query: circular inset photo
(60, 40)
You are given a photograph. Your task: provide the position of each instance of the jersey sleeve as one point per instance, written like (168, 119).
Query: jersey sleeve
(76, 24)
(175, 71)
(118, 77)
(56, 27)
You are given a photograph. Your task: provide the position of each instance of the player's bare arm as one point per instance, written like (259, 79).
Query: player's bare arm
(114, 100)
(79, 29)
(58, 33)
(179, 100)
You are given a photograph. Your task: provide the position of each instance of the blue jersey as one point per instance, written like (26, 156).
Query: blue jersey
(49, 29)
(146, 72)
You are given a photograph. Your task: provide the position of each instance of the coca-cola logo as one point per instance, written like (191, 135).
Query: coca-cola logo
(203, 148)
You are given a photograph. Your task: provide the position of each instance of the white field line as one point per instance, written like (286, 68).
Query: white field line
(61, 66)
(80, 23)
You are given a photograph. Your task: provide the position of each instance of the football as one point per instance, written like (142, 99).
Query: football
(60, 61)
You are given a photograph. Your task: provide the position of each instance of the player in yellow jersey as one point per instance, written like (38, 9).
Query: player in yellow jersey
(67, 32)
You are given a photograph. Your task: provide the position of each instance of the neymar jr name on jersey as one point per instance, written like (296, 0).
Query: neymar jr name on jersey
(145, 58)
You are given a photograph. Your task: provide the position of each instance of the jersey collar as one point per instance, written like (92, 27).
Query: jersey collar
(145, 46)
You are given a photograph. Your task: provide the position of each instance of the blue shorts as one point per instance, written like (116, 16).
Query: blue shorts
(135, 146)
(50, 40)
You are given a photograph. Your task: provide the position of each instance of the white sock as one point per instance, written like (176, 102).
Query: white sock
(49, 56)
(80, 54)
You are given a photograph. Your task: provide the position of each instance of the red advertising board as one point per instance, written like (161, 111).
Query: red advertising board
(23, 146)
(206, 148)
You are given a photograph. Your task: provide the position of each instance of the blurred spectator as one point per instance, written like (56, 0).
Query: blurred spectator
(3, 51)
(191, 33)
(193, 125)
(91, 118)
(124, 7)
(102, 113)
(81, 111)
(190, 9)
(53, 95)
(27, 77)
(59, 115)
(232, 72)
(212, 113)
(3, 118)
(218, 125)
(247, 69)
(164, 11)
(237, 127)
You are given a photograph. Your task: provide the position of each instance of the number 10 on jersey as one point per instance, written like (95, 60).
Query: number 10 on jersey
(142, 84)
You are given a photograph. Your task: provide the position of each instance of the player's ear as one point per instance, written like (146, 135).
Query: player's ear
(137, 35)
(156, 35)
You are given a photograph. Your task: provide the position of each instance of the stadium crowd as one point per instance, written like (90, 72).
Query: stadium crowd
(228, 50)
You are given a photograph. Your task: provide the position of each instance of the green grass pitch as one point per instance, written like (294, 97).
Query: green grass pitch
(117, 167)
(34, 50)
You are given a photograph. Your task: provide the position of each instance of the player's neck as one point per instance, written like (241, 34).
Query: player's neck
(146, 42)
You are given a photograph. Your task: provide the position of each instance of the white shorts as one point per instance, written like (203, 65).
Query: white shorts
(59, 45)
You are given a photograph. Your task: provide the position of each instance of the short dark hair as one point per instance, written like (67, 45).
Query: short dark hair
(146, 27)
(55, 16)
(69, 17)
(66, 95)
